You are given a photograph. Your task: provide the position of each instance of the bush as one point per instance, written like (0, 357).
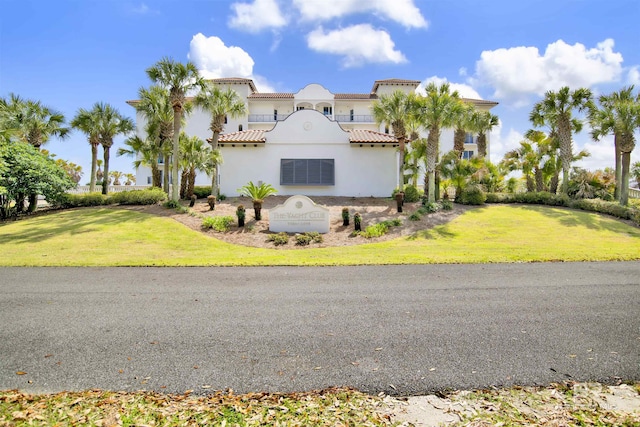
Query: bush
(279, 239)
(218, 223)
(202, 191)
(411, 194)
(601, 206)
(396, 222)
(534, 198)
(315, 236)
(473, 195)
(431, 207)
(138, 197)
(171, 204)
(375, 230)
(303, 239)
(447, 205)
(415, 217)
(78, 200)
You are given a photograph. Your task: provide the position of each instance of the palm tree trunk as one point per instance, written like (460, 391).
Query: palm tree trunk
(624, 190)
(401, 142)
(566, 151)
(539, 179)
(184, 177)
(214, 172)
(553, 184)
(482, 145)
(432, 154)
(458, 141)
(165, 174)
(616, 144)
(192, 182)
(94, 167)
(105, 179)
(175, 167)
(155, 175)
(531, 185)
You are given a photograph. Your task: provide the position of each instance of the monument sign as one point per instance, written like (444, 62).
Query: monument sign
(298, 214)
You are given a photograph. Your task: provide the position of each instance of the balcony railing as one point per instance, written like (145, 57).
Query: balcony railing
(359, 118)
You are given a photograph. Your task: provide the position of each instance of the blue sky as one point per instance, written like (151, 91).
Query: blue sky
(73, 53)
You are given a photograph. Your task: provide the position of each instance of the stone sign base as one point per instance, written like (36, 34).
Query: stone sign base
(299, 214)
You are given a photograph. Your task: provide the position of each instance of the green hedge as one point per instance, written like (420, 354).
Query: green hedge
(78, 200)
(202, 191)
(138, 197)
(591, 205)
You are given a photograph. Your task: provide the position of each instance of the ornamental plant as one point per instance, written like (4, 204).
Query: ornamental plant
(257, 193)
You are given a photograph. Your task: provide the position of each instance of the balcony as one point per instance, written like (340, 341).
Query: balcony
(266, 118)
(356, 118)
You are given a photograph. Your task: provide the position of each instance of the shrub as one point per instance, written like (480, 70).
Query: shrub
(431, 207)
(473, 195)
(78, 200)
(447, 205)
(601, 206)
(411, 194)
(303, 239)
(415, 217)
(315, 236)
(396, 222)
(171, 204)
(202, 191)
(222, 197)
(218, 223)
(138, 197)
(375, 230)
(279, 239)
(423, 210)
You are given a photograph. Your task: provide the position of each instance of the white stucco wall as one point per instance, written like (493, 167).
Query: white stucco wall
(307, 134)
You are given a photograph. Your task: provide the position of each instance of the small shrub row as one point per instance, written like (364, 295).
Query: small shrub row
(472, 195)
(306, 238)
(135, 197)
(218, 223)
(429, 208)
(202, 191)
(591, 205)
(279, 239)
(381, 228)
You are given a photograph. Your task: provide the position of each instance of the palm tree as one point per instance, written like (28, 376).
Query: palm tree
(88, 122)
(99, 173)
(417, 153)
(117, 176)
(458, 171)
(156, 107)
(31, 122)
(463, 124)
(525, 159)
(112, 124)
(635, 172)
(438, 110)
(482, 123)
(219, 104)
(194, 157)
(178, 78)
(620, 115)
(257, 193)
(146, 153)
(556, 111)
(131, 179)
(395, 110)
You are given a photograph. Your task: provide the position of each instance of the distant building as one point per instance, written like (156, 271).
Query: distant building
(312, 142)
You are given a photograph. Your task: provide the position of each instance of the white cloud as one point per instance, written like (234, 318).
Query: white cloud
(143, 9)
(214, 60)
(602, 154)
(257, 16)
(500, 144)
(634, 76)
(358, 44)
(405, 12)
(519, 72)
(464, 90)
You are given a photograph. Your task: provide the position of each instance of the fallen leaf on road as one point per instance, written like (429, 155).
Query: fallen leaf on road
(48, 355)
(21, 373)
(317, 368)
(379, 349)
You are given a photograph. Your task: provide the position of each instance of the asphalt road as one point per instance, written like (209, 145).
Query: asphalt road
(397, 329)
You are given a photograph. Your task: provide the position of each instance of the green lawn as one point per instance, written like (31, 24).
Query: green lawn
(494, 233)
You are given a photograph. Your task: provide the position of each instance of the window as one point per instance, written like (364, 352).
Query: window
(386, 129)
(160, 159)
(275, 115)
(148, 180)
(467, 155)
(327, 111)
(468, 139)
(307, 172)
(240, 127)
(299, 108)
(351, 115)
(225, 120)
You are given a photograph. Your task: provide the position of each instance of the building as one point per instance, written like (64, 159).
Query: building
(311, 142)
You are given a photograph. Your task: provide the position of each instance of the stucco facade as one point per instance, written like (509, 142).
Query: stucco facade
(331, 137)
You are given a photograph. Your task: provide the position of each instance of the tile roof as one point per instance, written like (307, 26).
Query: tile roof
(251, 135)
(236, 80)
(259, 95)
(401, 82)
(369, 136)
(355, 96)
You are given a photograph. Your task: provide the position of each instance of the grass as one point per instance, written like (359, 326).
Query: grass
(116, 237)
(95, 407)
